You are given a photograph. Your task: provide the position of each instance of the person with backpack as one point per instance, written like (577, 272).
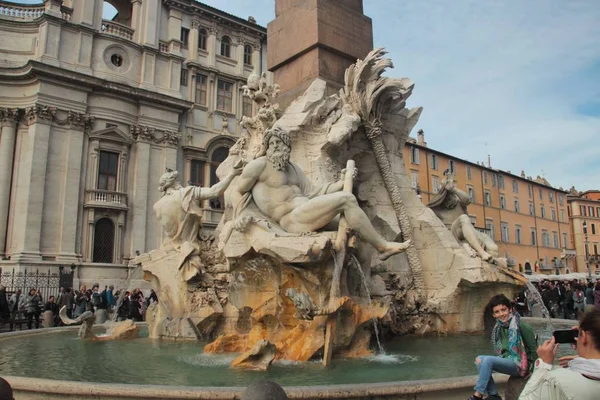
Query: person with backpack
(514, 344)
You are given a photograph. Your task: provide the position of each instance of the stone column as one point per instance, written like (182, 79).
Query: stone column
(30, 184)
(193, 40)
(174, 31)
(70, 193)
(239, 48)
(7, 153)
(139, 201)
(136, 19)
(211, 46)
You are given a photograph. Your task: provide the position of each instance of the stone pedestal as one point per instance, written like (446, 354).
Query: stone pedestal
(48, 319)
(312, 39)
(101, 316)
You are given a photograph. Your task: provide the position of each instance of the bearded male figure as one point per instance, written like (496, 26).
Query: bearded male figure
(179, 211)
(281, 191)
(450, 205)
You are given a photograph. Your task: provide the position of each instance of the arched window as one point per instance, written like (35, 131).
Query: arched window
(202, 34)
(248, 54)
(226, 46)
(104, 241)
(217, 157)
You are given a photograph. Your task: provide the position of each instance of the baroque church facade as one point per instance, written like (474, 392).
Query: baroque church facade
(93, 112)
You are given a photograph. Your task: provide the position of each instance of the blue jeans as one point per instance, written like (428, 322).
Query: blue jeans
(489, 364)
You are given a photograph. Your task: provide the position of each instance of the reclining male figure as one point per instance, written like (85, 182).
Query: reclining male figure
(282, 192)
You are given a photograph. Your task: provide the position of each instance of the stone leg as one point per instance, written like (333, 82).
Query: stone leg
(463, 230)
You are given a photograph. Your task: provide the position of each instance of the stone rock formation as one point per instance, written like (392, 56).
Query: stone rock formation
(258, 358)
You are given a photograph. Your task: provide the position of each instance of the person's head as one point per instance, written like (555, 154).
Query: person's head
(278, 145)
(111, 288)
(51, 299)
(501, 308)
(6, 392)
(95, 288)
(168, 180)
(588, 343)
(32, 291)
(68, 290)
(19, 291)
(2, 289)
(82, 288)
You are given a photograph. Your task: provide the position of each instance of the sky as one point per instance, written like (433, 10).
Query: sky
(518, 80)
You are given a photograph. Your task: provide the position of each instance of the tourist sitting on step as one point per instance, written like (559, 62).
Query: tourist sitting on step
(514, 343)
(579, 377)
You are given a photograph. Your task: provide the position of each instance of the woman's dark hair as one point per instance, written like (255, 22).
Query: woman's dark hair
(591, 324)
(499, 300)
(488, 313)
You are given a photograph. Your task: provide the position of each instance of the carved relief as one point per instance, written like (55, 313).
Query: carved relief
(38, 113)
(148, 134)
(9, 114)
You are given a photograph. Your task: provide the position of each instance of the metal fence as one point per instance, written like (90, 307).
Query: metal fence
(47, 282)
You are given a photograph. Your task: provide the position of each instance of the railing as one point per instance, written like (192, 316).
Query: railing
(106, 198)
(67, 13)
(163, 46)
(26, 12)
(117, 29)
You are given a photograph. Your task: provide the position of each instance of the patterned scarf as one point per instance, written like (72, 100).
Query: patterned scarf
(516, 347)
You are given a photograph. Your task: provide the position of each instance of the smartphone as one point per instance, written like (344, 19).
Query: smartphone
(565, 335)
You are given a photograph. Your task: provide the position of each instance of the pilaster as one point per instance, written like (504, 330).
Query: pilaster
(136, 19)
(7, 152)
(193, 40)
(30, 184)
(77, 124)
(212, 46)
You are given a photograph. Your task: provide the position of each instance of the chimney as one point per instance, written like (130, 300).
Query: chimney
(489, 161)
(421, 138)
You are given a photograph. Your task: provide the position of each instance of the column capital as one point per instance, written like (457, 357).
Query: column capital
(134, 2)
(195, 22)
(38, 113)
(9, 116)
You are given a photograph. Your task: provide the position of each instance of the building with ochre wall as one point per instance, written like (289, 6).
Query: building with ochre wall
(526, 217)
(584, 209)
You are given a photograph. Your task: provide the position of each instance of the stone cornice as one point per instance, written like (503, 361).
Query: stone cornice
(221, 17)
(37, 69)
(148, 134)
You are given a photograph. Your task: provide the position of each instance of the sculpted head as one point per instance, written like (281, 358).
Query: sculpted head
(168, 180)
(278, 146)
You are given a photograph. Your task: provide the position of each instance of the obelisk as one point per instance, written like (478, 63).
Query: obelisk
(311, 39)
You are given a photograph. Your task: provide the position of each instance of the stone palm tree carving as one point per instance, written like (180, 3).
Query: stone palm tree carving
(372, 97)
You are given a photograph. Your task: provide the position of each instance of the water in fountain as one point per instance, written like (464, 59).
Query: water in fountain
(356, 263)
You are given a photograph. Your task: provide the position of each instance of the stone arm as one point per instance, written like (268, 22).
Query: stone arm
(250, 175)
(462, 196)
(219, 188)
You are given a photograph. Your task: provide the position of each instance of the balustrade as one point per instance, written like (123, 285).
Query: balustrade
(106, 197)
(117, 29)
(21, 11)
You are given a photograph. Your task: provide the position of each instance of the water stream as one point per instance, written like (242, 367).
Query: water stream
(122, 292)
(363, 278)
(534, 297)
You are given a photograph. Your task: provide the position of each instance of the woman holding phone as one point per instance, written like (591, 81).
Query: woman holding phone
(514, 343)
(579, 377)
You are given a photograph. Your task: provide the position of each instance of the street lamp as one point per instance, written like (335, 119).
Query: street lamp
(587, 262)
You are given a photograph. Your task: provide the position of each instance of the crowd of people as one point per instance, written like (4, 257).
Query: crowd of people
(17, 308)
(562, 299)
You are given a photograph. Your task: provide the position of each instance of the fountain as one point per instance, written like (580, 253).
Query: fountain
(307, 194)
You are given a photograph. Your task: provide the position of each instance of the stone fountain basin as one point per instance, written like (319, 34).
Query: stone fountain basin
(458, 387)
